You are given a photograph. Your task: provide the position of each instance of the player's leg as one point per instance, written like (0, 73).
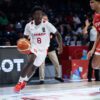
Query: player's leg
(54, 59)
(26, 73)
(96, 61)
(90, 70)
(96, 65)
(42, 73)
(29, 67)
(97, 74)
(33, 63)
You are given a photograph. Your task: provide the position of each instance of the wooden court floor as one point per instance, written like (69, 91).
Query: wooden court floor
(52, 90)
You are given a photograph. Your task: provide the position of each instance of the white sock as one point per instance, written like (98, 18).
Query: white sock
(21, 79)
(26, 78)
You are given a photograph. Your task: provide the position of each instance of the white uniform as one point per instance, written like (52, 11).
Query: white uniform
(93, 34)
(40, 38)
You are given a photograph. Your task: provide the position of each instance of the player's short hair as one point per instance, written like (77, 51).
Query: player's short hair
(35, 9)
(44, 14)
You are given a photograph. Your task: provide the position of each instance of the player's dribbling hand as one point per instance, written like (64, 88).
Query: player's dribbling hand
(90, 53)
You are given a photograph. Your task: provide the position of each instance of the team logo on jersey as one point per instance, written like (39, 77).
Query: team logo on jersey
(43, 29)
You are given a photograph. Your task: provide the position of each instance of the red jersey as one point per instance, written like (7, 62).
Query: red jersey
(96, 21)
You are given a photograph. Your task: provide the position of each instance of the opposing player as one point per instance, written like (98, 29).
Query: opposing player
(39, 33)
(95, 5)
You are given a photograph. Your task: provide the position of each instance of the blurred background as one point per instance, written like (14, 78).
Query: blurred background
(67, 15)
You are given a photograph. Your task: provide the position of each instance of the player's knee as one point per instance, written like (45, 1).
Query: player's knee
(34, 67)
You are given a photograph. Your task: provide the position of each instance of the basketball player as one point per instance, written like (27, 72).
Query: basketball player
(91, 31)
(39, 33)
(95, 5)
(53, 57)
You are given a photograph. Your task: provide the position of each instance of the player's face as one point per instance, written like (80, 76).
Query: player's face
(45, 18)
(93, 4)
(38, 16)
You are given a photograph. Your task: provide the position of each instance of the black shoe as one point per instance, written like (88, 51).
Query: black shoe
(41, 82)
(59, 79)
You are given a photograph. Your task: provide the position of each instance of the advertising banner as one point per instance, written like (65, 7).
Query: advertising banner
(11, 64)
(74, 69)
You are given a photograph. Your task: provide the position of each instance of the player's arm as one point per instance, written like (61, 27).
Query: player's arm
(85, 29)
(26, 37)
(59, 41)
(53, 30)
(26, 32)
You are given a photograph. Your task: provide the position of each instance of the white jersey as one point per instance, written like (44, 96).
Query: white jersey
(39, 34)
(93, 34)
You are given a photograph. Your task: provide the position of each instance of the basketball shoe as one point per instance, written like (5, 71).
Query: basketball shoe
(19, 86)
(59, 79)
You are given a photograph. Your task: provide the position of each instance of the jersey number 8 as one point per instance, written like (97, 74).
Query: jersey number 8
(39, 40)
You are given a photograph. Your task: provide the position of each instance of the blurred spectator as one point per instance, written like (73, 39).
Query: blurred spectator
(7, 42)
(69, 18)
(3, 21)
(65, 15)
(76, 19)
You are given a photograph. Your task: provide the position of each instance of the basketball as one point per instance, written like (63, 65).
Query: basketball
(23, 46)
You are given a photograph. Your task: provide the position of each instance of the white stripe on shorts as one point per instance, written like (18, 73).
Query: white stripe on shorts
(97, 53)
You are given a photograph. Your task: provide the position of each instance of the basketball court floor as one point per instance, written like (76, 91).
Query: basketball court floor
(52, 90)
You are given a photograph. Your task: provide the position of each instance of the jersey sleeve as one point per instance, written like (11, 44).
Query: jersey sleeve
(51, 28)
(93, 30)
(26, 30)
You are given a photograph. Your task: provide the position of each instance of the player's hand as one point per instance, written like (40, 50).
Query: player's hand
(60, 49)
(87, 23)
(90, 53)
